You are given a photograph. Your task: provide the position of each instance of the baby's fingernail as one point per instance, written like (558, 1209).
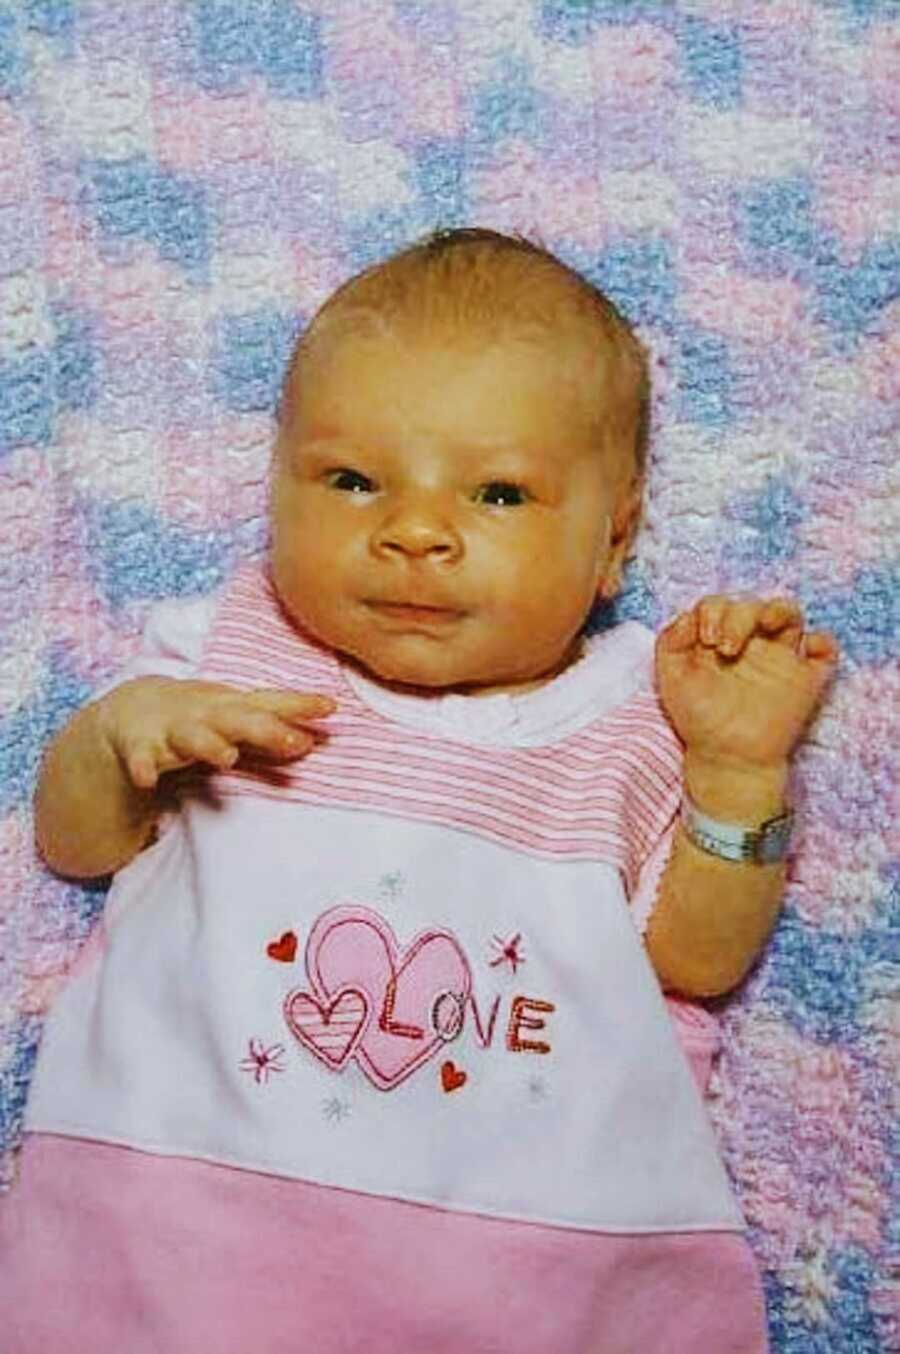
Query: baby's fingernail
(298, 742)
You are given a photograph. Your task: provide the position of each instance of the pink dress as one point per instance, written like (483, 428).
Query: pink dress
(367, 1054)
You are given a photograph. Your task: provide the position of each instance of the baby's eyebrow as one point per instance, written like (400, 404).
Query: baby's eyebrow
(324, 450)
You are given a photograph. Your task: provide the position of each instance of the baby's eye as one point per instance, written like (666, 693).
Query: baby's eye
(500, 493)
(350, 481)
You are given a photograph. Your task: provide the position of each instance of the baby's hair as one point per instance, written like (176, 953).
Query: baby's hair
(477, 285)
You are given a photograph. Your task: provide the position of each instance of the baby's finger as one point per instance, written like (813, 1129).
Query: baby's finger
(710, 611)
(680, 634)
(738, 622)
(782, 620)
(821, 646)
(294, 705)
(195, 742)
(260, 729)
(142, 764)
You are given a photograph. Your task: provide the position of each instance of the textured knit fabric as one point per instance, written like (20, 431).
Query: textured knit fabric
(182, 183)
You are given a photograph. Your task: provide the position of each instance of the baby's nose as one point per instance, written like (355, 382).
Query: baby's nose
(418, 529)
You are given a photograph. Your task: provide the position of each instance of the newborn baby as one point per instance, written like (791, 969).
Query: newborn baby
(370, 1049)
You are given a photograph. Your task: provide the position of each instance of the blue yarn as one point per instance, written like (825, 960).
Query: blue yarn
(13, 64)
(250, 352)
(636, 602)
(134, 555)
(437, 167)
(508, 105)
(271, 38)
(178, 220)
(15, 1078)
(23, 733)
(34, 387)
(813, 979)
(572, 21)
(135, 198)
(772, 514)
(83, 904)
(865, 617)
(27, 403)
(862, 13)
(783, 238)
(851, 297)
(850, 1327)
(712, 61)
(892, 1230)
(636, 274)
(776, 219)
(816, 978)
(75, 359)
(704, 378)
(855, 1273)
(373, 237)
(53, 18)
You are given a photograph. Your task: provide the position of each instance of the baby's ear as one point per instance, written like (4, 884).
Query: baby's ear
(624, 525)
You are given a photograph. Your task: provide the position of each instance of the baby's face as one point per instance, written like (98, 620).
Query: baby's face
(442, 515)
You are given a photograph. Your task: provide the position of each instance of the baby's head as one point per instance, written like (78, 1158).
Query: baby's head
(459, 465)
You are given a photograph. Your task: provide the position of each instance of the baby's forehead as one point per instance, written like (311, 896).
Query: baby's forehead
(576, 359)
(479, 295)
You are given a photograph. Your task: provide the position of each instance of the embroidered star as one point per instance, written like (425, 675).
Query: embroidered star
(262, 1061)
(392, 884)
(335, 1109)
(508, 951)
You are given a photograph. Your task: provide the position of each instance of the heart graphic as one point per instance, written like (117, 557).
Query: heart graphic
(452, 1077)
(354, 948)
(284, 949)
(330, 1029)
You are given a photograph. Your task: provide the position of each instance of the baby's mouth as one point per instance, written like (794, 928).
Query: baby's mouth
(410, 611)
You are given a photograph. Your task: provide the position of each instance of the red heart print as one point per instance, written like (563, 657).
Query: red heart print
(330, 1030)
(284, 949)
(452, 1077)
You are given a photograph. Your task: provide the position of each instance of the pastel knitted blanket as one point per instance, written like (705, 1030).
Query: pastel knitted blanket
(183, 181)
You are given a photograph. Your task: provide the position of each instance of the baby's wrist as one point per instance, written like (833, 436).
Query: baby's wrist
(733, 791)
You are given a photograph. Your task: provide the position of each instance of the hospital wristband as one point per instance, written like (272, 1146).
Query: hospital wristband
(765, 844)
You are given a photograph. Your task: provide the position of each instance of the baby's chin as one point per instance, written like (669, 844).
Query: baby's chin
(439, 677)
(428, 678)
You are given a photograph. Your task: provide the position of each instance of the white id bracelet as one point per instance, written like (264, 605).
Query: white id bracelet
(765, 844)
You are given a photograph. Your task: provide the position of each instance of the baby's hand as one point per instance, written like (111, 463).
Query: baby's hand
(739, 679)
(158, 724)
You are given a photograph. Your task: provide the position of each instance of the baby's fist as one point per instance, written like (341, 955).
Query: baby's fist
(739, 678)
(159, 724)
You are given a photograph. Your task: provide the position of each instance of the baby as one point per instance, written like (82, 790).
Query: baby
(370, 1051)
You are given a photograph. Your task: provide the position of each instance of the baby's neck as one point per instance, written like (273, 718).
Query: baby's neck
(569, 658)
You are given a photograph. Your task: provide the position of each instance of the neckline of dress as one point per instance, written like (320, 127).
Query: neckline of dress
(612, 666)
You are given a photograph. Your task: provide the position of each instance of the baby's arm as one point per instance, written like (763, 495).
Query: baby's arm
(739, 681)
(98, 795)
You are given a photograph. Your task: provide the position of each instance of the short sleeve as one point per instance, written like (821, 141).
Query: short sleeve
(646, 893)
(172, 644)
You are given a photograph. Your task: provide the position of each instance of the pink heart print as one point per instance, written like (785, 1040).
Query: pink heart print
(329, 1029)
(353, 954)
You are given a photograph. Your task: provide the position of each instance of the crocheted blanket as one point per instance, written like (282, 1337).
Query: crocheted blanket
(183, 181)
